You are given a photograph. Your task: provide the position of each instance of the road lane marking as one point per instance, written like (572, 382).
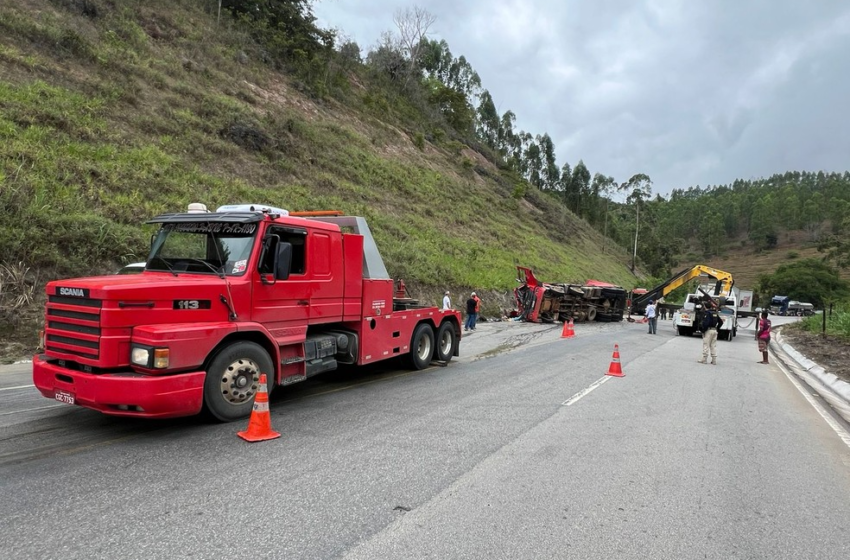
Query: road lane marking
(584, 392)
(18, 387)
(839, 430)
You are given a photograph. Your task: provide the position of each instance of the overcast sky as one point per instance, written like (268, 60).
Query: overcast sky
(688, 92)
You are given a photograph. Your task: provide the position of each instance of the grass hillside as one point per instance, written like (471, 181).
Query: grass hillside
(111, 113)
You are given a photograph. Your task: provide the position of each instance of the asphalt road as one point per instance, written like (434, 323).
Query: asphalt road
(522, 448)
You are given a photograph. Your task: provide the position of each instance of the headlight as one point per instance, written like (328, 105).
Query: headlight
(148, 357)
(140, 356)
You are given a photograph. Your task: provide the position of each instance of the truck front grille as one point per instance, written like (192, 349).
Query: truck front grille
(73, 326)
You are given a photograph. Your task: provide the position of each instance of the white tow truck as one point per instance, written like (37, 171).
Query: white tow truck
(687, 319)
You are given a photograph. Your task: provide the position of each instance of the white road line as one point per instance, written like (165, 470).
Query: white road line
(839, 430)
(18, 387)
(584, 392)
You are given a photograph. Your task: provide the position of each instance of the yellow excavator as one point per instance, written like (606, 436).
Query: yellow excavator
(723, 287)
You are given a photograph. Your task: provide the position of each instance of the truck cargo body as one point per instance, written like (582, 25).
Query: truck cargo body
(224, 298)
(542, 302)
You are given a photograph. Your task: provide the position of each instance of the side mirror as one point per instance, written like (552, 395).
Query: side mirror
(269, 258)
(283, 261)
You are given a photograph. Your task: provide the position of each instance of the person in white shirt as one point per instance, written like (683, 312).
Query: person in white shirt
(447, 303)
(651, 317)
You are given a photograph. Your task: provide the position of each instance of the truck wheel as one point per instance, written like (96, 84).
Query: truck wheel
(421, 346)
(446, 340)
(591, 314)
(233, 379)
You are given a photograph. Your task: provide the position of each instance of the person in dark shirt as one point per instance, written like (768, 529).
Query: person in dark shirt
(709, 325)
(471, 305)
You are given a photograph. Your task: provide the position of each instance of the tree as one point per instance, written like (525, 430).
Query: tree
(549, 171)
(534, 163)
(579, 186)
(808, 280)
(412, 24)
(640, 186)
(509, 142)
(387, 59)
(565, 183)
(285, 27)
(488, 121)
(605, 187)
(453, 105)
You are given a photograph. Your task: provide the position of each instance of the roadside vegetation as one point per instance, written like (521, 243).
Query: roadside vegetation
(837, 323)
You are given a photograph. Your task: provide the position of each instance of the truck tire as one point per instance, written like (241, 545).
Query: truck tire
(233, 378)
(421, 346)
(446, 341)
(591, 314)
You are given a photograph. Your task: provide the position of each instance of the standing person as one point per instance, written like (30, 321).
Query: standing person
(477, 310)
(763, 336)
(470, 313)
(447, 302)
(651, 317)
(709, 326)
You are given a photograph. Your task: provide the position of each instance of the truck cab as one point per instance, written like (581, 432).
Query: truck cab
(224, 297)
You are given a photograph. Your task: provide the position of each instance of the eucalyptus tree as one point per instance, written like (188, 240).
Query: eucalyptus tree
(605, 187)
(565, 183)
(639, 188)
(580, 186)
(549, 167)
(534, 163)
(488, 122)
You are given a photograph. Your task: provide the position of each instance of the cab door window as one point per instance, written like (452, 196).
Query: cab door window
(295, 237)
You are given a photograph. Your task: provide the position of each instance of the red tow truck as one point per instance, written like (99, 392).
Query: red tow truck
(224, 297)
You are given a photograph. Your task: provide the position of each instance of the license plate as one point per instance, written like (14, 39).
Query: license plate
(64, 397)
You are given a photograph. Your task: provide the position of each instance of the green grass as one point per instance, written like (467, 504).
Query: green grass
(837, 323)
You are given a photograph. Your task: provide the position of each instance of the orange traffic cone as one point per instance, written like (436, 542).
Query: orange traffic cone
(615, 369)
(568, 331)
(260, 424)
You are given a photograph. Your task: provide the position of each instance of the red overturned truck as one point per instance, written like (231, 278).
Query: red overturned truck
(541, 302)
(224, 297)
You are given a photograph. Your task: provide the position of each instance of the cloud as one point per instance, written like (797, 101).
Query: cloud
(690, 93)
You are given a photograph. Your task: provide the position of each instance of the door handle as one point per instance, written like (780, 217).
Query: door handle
(303, 302)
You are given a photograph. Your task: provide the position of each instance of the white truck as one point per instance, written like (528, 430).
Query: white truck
(687, 319)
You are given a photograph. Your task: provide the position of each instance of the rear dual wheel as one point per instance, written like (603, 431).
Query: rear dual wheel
(446, 341)
(426, 346)
(421, 346)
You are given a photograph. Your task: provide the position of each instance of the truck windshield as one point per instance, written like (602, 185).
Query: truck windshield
(203, 248)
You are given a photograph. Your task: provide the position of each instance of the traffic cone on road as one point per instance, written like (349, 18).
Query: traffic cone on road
(260, 424)
(615, 369)
(568, 331)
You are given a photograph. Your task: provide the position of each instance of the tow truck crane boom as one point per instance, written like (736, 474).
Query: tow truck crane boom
(724, 284)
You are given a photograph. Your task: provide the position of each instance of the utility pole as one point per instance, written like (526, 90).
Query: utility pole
(637, 226)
